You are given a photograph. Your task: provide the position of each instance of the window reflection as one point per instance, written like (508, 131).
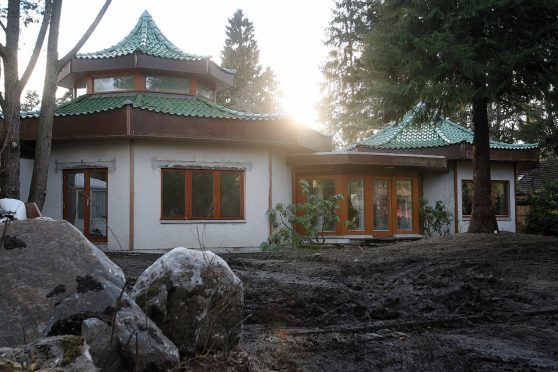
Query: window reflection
(381, 205)
(355, 204)
(113, 83)
(323, 189)
(167, 84)
(404, 204)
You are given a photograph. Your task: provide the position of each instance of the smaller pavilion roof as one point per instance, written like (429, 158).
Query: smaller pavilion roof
(157, 102)
(411, 133)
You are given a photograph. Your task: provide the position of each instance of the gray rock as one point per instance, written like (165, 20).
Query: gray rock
(195, 298)
(67, 353)
(59, 280)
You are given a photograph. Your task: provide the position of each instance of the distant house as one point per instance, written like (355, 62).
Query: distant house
(147, 160)
(532, 181)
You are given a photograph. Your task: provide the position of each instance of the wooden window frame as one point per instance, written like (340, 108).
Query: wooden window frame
(216, 195)
(506, 188)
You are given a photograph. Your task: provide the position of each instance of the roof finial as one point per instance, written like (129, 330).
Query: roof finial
(145, 14)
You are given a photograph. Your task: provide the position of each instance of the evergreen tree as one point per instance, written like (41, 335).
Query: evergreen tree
(345, 107)
(454, 53)
(253, 90)
(31, 101)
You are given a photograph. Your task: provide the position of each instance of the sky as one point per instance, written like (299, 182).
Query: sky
(290, 35)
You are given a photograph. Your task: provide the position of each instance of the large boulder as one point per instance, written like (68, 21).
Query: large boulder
(194, 297)
(67, 353)
(54, 279)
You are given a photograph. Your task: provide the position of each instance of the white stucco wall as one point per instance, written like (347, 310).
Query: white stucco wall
(25, 173)
(282, 178)
(113, 155)
(439, 187)
(499, 171)
(152, 233)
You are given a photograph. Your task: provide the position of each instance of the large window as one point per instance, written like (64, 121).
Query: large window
(167, 84)
(499, 197)
(202, 194)
(113, 84)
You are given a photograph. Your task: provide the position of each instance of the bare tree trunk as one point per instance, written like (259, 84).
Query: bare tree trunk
(10, 103)
(38, 189)
(483, 217)
(9, 159)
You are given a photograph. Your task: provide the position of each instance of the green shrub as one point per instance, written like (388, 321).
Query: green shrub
(543, 217)
(310, 217)
(435, 219)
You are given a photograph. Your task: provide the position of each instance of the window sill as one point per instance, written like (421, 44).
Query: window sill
(498, 218)
(200, 222)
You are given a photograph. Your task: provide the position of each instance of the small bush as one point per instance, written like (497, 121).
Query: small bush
(435, 219)
(311, 217)
(543, 217)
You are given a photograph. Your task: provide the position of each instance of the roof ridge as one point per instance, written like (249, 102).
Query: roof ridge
(147, 38)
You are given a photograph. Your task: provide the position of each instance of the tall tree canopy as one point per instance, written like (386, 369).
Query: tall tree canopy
(253, 90)
(451, 53)
(345, 108)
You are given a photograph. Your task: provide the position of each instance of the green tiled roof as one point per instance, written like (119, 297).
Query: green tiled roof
(146, 38)
(409, 133)
(163, 103)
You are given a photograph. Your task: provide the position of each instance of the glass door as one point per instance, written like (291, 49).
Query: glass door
(381, 206)
(85, 202)
(404, 205)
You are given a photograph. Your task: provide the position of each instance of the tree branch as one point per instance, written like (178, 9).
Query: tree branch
(38, 44)
(72, 53)
(3, 26)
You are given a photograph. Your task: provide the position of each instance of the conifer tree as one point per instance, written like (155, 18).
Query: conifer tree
(345, 107)
(454, 53)
(253, 90)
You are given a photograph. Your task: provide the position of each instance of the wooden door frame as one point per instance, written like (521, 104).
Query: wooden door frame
(341, 187)
(86, 204)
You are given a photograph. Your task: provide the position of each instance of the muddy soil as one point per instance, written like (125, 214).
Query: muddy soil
(466, 302)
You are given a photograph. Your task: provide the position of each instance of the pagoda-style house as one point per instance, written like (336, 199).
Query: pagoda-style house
(146, 159)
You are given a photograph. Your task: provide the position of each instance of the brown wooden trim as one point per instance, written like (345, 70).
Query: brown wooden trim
(455, 196)
(132, 196)
(369, 158)
(193, 87)
(139, 81)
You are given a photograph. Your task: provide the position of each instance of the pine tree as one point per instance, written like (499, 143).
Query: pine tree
(345, 107)
(253, 90)
(31, 101)
(454, 53)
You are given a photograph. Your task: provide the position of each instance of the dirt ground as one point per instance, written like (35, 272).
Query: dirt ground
(466, 302)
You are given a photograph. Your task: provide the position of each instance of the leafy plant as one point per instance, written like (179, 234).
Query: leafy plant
(435, 219)
(543, 217)
(302, 223)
